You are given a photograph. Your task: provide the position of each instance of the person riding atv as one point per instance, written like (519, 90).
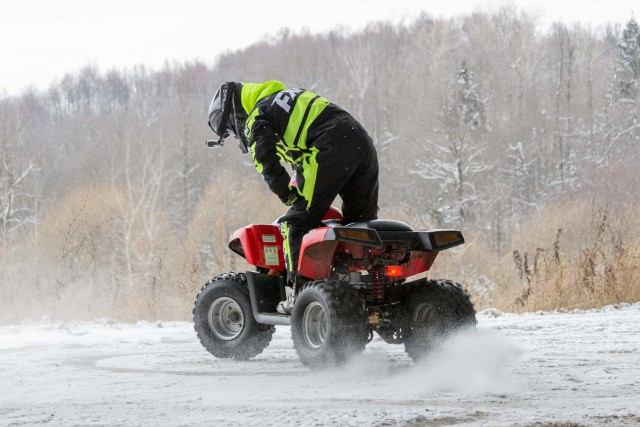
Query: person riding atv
(352, 275)
(331, 154)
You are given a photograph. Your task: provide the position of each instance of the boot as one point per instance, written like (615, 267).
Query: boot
(286, 306)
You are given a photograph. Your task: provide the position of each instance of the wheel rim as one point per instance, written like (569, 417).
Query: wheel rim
(225, 318)
(426, 315)
(314, 325)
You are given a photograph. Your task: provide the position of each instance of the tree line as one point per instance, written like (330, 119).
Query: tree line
(110, 202)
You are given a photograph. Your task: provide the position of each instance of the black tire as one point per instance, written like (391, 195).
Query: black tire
(224, 322)
(328, 323)
(435, 309)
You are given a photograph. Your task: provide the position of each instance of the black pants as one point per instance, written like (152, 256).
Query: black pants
(346, 167)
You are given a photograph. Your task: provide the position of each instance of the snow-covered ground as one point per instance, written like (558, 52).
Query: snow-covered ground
(533, 369)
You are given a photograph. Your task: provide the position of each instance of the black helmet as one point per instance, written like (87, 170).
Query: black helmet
(224, 117)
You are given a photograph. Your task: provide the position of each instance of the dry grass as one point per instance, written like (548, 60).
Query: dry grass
(102, 252)
(571, 256)
(92, 257)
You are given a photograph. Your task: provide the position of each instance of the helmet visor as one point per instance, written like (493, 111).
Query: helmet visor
(219, 110)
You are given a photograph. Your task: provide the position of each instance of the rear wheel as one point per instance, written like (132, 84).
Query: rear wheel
(435, 309)
(224, 321)
(328, 323)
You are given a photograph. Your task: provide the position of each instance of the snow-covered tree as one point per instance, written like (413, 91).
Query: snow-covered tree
(628, 61)
(620, 142)
(456, 160)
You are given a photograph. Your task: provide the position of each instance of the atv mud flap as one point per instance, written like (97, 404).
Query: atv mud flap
(266, 292)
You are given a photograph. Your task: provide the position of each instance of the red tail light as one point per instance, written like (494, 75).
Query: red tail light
(393, 271)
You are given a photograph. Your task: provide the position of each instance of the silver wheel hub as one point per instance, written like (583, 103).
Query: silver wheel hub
(226, 319)
(426, 315)
(315, 325)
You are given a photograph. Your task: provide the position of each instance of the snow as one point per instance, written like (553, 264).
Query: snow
(579, 367)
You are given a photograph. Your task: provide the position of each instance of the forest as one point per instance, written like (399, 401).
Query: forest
(524, 138)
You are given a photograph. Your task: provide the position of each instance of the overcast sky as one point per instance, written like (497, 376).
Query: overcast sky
(41, 40)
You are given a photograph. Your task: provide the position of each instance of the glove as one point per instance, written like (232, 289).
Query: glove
(292, 199)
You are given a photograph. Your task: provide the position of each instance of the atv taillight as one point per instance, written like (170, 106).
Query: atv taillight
(393, 271)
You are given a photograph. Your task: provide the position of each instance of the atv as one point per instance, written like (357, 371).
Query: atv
(351, 283)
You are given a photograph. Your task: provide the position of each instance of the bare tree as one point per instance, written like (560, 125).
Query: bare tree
(17, 197)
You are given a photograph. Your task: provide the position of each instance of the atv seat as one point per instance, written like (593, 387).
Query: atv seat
(382, 225)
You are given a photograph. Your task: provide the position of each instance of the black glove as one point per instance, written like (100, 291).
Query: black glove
(293, 198)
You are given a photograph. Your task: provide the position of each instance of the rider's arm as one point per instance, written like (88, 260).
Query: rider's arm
(265, 158)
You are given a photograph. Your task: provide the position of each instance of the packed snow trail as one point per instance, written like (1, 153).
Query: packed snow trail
(577, 367)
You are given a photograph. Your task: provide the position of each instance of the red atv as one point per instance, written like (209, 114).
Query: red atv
(351, 283)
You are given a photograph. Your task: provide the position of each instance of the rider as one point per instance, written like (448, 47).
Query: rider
(331, 154)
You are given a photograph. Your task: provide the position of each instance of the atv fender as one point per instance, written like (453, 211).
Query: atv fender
(260, 245)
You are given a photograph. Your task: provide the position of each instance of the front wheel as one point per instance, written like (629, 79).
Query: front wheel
(435, 309)
(328, 323)
(224, 322)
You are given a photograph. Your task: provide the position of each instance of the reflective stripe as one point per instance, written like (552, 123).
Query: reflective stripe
(252, 148)
(310, 173)
(307, 108)
(285, 245)
(248, 124)
(259, 166)
(287, 155)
